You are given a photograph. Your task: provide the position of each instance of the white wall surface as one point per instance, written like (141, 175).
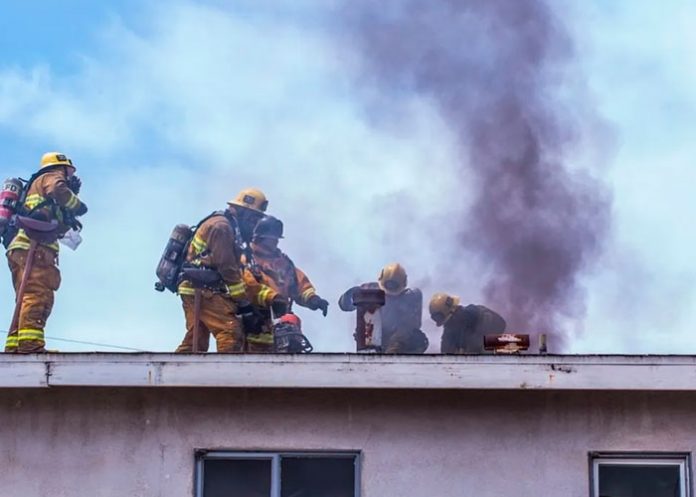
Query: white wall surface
(115, 442)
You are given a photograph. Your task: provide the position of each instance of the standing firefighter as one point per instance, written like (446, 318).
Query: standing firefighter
(465, 327)
(249, 207)
(276, 270)
(51, 199)
(401, 314)
(212, 268)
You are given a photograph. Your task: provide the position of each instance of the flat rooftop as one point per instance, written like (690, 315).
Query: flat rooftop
(350, 371)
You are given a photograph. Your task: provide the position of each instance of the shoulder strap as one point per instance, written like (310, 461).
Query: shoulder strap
(27, 185)
(211, 215)
(195, 228)
(251, 264)
(30, 181)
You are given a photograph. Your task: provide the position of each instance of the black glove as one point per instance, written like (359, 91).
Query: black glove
(70, 220)
(81, 210)
(279, 306)
(252, 320)
(252, 324)
(75, 184)
(316, 302)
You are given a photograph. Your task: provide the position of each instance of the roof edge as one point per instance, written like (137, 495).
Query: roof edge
(350, 371)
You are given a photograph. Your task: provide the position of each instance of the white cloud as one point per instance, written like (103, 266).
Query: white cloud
(168, 123)
(169, 116)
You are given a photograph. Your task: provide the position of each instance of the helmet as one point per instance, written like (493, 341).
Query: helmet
(393, 279)
(270, 227)
(442, 306)
(251, 198)
(55, 159)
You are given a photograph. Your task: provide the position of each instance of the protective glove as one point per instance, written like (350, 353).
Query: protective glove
(81, 210)
(75, 184)
(279, 306)
(252, 320)
(70, 219)
(316, 302)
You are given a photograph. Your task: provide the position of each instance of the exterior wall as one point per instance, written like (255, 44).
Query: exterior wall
(113, 442)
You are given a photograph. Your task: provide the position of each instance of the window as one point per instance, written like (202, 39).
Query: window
(640, 475)
(272, 474)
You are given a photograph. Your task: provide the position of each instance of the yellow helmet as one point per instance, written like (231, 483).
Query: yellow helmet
(55, 159)
(251, 198)
(393, 279)
(442, 306)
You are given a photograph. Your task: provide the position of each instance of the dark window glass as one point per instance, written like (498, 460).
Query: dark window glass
(638, 481)
(317, 477)
(237, 478)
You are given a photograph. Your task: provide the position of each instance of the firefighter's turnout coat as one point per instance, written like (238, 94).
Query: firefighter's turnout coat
(464, 331)
(48, 198)
(276, 270)
(214, 246)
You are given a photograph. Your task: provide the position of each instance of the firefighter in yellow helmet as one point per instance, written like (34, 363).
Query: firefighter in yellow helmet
(401, 314)
(229, 296)
(51, 195)
(464, 327)
(270, 267)
(249, 206)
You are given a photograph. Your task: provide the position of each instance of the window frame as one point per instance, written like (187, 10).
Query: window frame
(680, 459)
(275, 456)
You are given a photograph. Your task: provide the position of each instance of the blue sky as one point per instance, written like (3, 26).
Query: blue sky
(169, 108)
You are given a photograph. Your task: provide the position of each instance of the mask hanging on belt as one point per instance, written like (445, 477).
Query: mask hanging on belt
(72, 239)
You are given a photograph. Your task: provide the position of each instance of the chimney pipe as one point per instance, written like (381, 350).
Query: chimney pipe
(368, 329)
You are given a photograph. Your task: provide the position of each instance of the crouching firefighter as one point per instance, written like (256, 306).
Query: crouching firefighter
(401, 314)
(45, 211)
(273, 268)
(464, 327)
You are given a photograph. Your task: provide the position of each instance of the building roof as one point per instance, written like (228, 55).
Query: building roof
(350, 371)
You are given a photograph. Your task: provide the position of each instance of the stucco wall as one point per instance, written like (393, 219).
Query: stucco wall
(140, 442)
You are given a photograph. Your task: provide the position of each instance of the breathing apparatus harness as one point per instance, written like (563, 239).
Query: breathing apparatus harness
(18, 206)
(173, 267)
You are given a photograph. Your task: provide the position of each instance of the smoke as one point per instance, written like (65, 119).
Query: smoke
(501, 76)
(456, 96)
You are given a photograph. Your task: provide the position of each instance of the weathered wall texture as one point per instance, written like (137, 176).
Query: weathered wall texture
(140, 442)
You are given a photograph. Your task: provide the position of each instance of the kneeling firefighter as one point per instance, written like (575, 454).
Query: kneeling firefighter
(401, 314)
(275, 269)
(464, 327)
(45, 211)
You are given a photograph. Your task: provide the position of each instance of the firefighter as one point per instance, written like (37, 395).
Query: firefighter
(268, 266)
(51, 196)
(401, 314)
(228, 297)
(249, 206)
(277, 269)
(464, 327)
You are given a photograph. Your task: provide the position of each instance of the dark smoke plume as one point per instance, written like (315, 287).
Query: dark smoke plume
(499, 72)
